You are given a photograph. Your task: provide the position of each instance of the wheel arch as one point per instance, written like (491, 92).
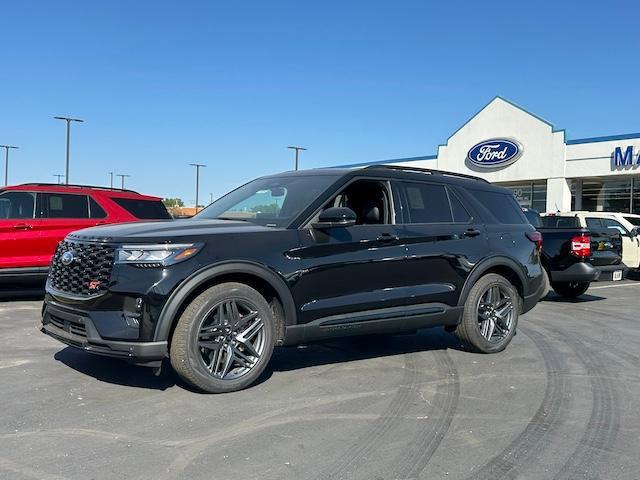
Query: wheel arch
(504, 266)
(268, 283)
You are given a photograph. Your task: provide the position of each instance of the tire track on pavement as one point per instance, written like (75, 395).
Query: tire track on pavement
(604, 422)
(534, 438)
(425, 444)
(376, 434)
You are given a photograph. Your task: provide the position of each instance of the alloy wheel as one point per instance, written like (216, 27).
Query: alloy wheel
(495, 313)
(231, 339)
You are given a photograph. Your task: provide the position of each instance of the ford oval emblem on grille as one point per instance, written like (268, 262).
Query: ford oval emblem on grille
(68, 258)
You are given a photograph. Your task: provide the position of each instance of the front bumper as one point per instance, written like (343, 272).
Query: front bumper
(77, 329)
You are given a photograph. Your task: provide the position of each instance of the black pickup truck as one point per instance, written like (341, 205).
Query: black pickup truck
(574, 256)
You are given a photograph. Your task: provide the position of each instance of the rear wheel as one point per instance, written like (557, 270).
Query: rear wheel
(490, 315)
(224, 339)
(570, 289)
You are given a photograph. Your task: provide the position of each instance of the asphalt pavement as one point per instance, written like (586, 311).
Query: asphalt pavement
(561, 402)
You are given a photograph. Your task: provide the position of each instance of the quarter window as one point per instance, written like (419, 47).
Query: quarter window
(95, 210)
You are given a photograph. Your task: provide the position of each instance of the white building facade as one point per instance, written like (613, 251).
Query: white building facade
(512, 147)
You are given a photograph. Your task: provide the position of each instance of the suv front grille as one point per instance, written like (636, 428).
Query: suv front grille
(88, 274)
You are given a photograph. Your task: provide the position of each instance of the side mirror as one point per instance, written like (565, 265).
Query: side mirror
(336, 217)
(634, 232)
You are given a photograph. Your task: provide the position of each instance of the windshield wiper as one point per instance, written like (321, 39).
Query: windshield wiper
(232, 218)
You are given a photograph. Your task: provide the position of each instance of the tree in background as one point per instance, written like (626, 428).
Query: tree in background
(173, 202)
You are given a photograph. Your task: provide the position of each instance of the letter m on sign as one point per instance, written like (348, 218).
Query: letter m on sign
(620, 159)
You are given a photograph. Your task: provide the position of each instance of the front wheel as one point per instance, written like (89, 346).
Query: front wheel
(570, 289)
(490, 315)
(224, 338)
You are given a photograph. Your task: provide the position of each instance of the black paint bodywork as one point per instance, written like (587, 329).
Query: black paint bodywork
(332, 282)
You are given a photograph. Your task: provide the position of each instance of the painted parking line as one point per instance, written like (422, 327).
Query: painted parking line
(616, 286)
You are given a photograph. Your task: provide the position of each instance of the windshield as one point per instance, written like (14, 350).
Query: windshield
(269, 201)
(633, 220)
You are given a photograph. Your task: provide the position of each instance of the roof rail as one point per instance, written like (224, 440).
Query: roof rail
(430, 171)
(75, 185)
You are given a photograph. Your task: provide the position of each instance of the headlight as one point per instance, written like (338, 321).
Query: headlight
(157, 255)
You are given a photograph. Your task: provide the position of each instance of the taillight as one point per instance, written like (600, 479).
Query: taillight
(581, 246)
(535, 237)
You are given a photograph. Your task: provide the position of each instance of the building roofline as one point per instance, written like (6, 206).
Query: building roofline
(623, 136)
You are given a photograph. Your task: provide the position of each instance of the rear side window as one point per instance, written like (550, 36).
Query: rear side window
(144, 209)
(533, 217)
(95, 210)
(17, 205)
(65, 205)
(502, 206)
(427, 203)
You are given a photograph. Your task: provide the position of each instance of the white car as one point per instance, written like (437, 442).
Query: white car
(628, 224)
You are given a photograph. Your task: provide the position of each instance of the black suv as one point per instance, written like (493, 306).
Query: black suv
(296, 257)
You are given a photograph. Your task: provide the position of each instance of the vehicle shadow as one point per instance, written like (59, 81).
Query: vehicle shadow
(361, 348)
(120, 372)
(116, 371)
(553, 297)
(21, 292)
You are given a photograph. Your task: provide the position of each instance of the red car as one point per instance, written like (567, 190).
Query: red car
(34, 217)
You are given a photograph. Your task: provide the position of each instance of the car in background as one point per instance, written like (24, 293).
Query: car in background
(574, 256)
(35, 217)
(626, 224)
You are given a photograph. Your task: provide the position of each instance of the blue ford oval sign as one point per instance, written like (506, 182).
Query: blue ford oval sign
(497, 152)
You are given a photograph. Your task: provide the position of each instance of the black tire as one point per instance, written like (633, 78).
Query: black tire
(469, 330)
(570, 289)
(186, 353)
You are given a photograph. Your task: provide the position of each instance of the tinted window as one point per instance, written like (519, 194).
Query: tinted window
(533, 217)
(95, 210)
(427, 203)
(64, 205)
(502, 206)
(595, 223)
(144, 209)
(460, 213)
(633, 220)
(16, 205)
(560, 222)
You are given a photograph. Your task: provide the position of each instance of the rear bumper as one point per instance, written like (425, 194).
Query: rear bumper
(578, 272)
(77, 330)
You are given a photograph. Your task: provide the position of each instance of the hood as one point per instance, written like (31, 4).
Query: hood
(165, 231)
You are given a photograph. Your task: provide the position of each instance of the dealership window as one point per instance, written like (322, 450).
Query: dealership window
(605, 194)
(530, 194)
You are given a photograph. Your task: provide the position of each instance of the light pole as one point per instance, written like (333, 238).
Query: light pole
(68, 120)
(122, 177)
(297, 149)
(198, 167)
(6, 162)
(111, 182)
(58, 176)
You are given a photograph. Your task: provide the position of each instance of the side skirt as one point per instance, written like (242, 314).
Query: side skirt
(386, 320)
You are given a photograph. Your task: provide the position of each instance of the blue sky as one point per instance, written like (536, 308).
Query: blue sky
(232, 84)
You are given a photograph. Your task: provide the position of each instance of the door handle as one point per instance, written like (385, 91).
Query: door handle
(471, 232)
(387, 237)
(22, 226)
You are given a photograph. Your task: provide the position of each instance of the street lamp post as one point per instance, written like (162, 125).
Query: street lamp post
(198, 167)
(297, 149)
(122, 177)
(68, 120)
(111, 182)
(6, 162)
(58, 176)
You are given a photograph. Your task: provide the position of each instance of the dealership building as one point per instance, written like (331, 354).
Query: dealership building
(509, 146)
